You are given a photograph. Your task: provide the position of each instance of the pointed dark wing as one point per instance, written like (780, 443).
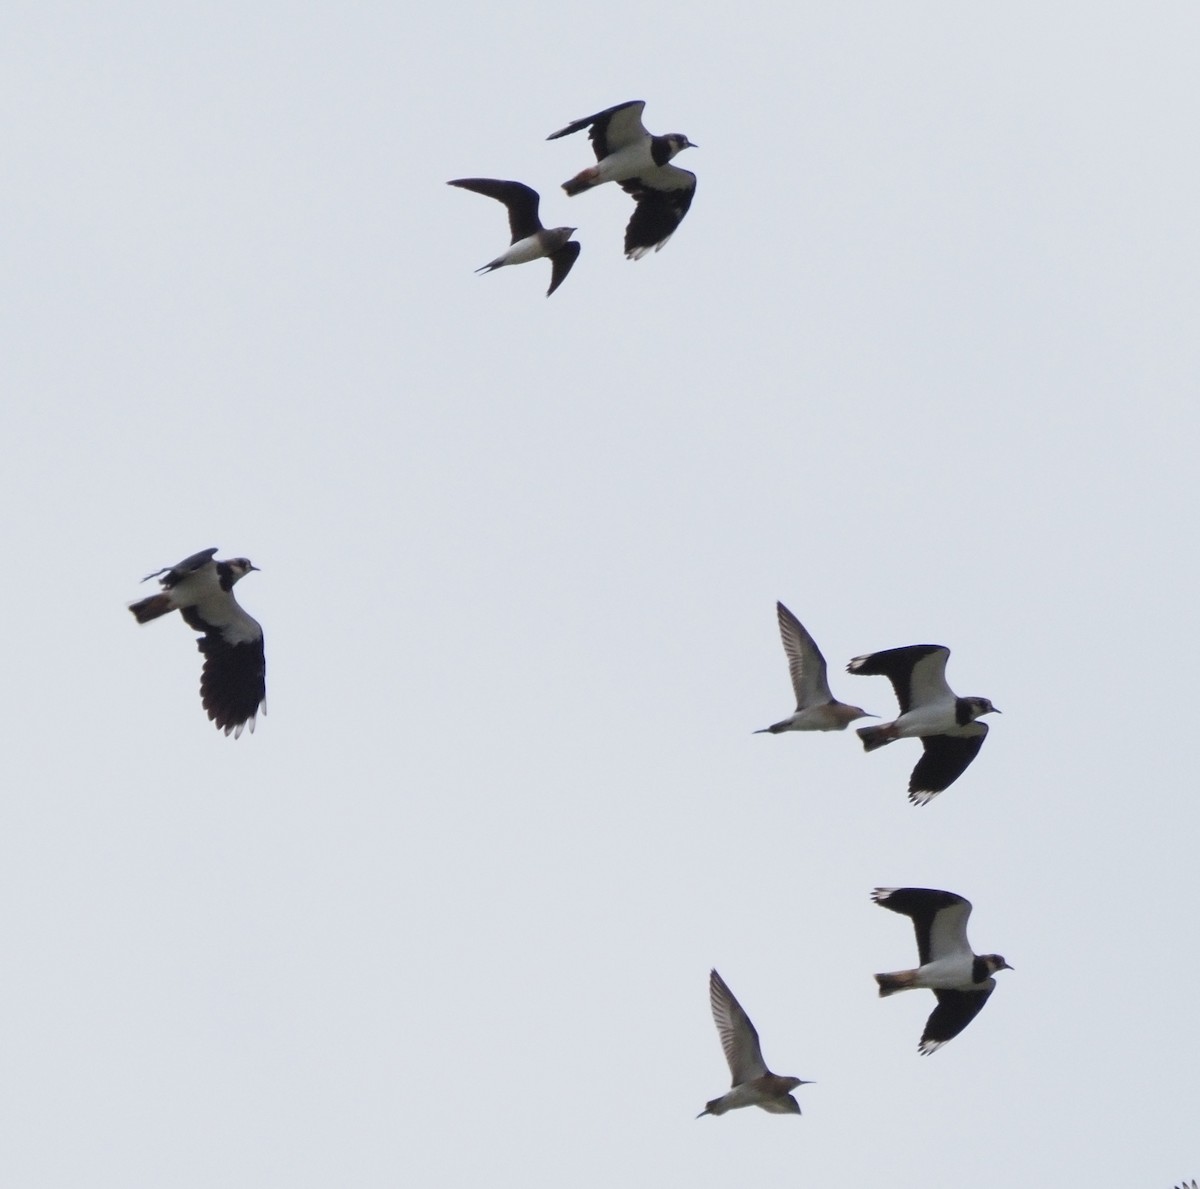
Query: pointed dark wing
(560, 264)
(939, 918)
(176, 574)
(611, 129)
(663, 197)
(955, 1010)
(946, 758)
(916, 672)
(521, 200)
(805, 662)
(739, 1038)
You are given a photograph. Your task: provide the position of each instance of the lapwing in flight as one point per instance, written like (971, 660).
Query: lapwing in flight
(816, 707)
(641, 165)
(961, 979)
(753, 1083)
(233, 682)
(530, 240)
(929, 710)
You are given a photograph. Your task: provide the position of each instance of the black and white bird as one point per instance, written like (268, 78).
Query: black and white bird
(816, 707)
(929, 710)
(641, 165)
(961, 979)
(753, 1083)
(530, 240)
(233, 682)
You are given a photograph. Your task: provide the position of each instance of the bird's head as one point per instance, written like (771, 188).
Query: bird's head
(980, 706)
(679, 142)
(995, 962)
(239, 567)
(792, 1083)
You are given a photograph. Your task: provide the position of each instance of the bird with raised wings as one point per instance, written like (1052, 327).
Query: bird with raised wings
(233, 681)
(640, 163)
(753, 1083)
(816, 707)
(530, 240)
(960, 978)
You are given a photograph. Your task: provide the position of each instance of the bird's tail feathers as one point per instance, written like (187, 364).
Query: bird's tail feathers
(584, 180)
(145, 610)
(900, 980)
(874, 737)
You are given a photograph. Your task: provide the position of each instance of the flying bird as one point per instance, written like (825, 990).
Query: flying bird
(233, 682)
(961, 979)
(641, 165)
(816, 707)
(530, 240)
(929, 710)
(753, 1083)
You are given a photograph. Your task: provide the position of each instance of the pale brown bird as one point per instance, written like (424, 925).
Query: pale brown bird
(753, 1083)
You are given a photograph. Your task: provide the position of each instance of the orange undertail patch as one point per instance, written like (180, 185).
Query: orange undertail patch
(584, 180)
(900, 980)
(151, 608)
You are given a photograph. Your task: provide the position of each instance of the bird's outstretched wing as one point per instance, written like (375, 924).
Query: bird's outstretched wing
(560, 264)
(917, 672)
(955, 1010)
(738, 1036)
(807, 666)
(521, 200)
(945, 759)
(611, 129)
(663, 196)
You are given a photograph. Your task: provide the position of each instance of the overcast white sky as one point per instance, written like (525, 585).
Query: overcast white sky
(920, 362)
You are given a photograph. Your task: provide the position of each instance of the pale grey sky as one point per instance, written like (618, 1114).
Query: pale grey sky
(920, 362)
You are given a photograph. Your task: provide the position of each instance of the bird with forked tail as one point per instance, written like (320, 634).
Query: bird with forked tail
(530, 240)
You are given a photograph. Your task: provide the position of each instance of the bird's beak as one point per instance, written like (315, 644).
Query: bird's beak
(254, 567)
(996, 710)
